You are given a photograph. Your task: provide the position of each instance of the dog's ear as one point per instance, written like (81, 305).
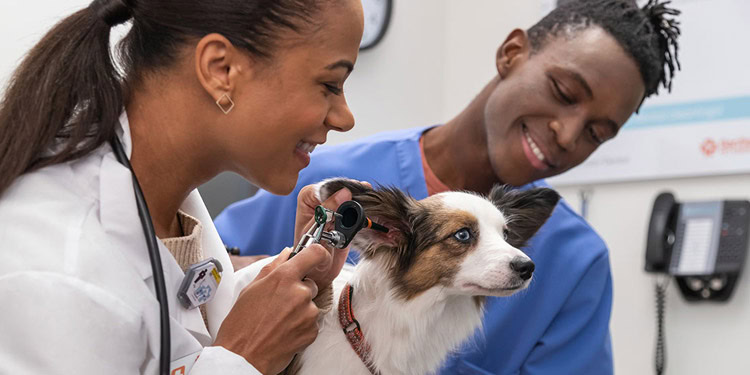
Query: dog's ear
(525, 210)
(326, 188)
(392, 209)
(387, 206)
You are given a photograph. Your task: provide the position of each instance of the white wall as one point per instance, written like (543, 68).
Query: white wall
(473, 32)
(434, 59)
(23, 23)
(399, 83)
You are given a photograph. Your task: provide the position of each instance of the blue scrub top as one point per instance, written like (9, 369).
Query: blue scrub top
(559, 325)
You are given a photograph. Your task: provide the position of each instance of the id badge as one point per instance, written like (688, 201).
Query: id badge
(200, 283)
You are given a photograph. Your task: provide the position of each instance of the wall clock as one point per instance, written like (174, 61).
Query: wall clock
(377, 18)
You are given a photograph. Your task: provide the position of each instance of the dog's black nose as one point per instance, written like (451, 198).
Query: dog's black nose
(523, 266)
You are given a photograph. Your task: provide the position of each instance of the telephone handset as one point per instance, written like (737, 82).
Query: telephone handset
(703, 244)
(661, 233)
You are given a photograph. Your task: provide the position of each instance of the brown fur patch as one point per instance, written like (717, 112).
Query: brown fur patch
(436, 255)
(432, 267)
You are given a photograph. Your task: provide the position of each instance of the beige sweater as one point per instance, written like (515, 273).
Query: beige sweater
(186, 249)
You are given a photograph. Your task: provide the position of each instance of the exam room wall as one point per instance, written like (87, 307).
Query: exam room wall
(435, 57)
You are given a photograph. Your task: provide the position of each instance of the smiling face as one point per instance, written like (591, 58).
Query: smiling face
(554, 107)
(285, 106)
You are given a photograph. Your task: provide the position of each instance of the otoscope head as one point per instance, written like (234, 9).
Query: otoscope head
(350, 221)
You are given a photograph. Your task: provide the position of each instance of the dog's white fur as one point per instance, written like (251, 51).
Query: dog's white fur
(415, 336)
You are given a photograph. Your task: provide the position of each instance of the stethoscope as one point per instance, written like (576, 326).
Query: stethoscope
(348, 220)
(153, 253)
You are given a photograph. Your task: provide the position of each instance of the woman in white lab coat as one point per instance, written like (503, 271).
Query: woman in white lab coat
(206, 86)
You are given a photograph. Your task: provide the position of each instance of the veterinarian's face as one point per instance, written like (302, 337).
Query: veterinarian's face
(552, 108)
(288, 106)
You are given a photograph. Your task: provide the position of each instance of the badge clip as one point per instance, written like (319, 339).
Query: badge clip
(200, 283)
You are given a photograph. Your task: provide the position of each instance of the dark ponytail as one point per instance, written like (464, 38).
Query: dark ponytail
(64, 99)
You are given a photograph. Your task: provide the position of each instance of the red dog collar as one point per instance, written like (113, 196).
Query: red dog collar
(352, 330)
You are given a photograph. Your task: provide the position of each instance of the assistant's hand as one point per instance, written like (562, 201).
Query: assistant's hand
(274, 317)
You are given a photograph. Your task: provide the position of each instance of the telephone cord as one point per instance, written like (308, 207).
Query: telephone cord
(660, 355)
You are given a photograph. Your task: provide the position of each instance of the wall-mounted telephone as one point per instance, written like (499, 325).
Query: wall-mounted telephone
(703, 244)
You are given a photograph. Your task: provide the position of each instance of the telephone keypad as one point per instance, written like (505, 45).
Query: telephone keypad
(733, 238)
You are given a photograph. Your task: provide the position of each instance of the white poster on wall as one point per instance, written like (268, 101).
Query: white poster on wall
(702, 127)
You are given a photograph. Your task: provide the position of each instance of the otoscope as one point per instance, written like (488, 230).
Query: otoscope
(348, 220)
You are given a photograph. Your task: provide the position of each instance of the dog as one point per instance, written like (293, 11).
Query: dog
(418, 290)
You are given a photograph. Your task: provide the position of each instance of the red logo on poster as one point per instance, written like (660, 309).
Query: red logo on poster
(709, 147)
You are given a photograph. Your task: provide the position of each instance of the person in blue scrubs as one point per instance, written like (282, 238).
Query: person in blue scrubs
(563, 87)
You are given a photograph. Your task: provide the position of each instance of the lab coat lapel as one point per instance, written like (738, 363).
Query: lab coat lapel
(119, 216)
(218, 308)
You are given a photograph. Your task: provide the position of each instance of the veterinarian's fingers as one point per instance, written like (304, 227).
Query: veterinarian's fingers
(307, 198)
(307, 260)
(306, 203)
(312, 286)
(283, 255)
(325, 265)
(334, 201)
(339, 258)
(281, 258)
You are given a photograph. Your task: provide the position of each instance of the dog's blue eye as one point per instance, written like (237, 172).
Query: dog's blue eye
(463, 235)
(506, 232)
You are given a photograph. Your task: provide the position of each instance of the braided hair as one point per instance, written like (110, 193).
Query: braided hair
(648, 34)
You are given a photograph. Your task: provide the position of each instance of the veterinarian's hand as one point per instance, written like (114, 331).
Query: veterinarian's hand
(274, 317)
(306, 203)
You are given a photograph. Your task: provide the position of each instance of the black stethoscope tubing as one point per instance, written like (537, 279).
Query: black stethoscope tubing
(153, 253)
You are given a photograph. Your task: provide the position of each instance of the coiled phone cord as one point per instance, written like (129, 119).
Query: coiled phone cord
(661, 296)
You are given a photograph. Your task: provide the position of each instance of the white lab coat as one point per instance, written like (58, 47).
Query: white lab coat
(76, 288)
